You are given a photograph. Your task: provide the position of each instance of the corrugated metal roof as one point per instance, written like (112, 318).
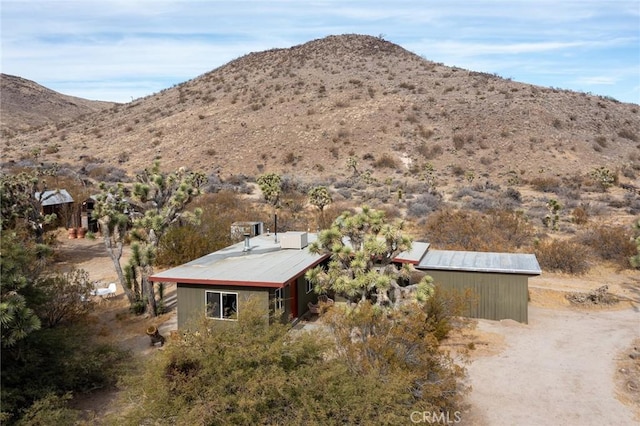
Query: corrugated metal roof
(413, 256)
(506, 263)
(264, 265)
(54, 197)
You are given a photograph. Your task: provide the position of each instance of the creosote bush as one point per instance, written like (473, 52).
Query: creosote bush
(376, 367)
(562, 256)
(496, 230)
(614, 243)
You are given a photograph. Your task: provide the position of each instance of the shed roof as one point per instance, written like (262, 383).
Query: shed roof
(415, 255)
(505, 263)
(265, 264)
(54, 197)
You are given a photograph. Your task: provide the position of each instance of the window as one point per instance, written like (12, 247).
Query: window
(279, 296)
(309, 287)
(221, 305)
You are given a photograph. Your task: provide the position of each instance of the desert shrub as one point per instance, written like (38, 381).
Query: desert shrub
(601, 141)
(633, 203)
(546, 184)
(181, 244)
(429, 151)
(386, 161)
(442, 309)
(235, 183)
(289, 158)
(497, 230)
(628, 134)
(614, 243)
(423, 205)
(580, 216)
(56, 361)
(513, 195)
(458, 141)
(373, 366)
(562, 256)
(457, 170)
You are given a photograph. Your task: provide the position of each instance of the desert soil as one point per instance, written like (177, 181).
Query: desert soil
(570, 365)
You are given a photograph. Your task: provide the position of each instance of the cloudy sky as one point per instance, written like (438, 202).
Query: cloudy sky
(119, 50)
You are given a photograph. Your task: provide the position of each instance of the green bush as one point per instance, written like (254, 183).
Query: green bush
(375, 368)
(54, 362)
(184, 243)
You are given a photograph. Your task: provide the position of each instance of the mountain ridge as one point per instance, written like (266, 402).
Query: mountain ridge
(305, 110)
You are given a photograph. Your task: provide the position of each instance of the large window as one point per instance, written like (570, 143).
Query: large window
(221, 305)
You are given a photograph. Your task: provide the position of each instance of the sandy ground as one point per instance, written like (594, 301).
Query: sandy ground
(558, 369)
(564, 367)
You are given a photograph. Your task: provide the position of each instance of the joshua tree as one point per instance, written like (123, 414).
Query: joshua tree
(163, 197)
(271, 187)
(552, 219)
(112, 210)
(320, 197)
(362, 248)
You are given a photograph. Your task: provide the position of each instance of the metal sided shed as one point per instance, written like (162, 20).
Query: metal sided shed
(499, 281)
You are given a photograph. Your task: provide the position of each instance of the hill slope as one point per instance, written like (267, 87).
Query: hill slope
(25, 104)
(306, 109)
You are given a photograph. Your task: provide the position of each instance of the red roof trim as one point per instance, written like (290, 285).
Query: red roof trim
(218, 282)
(400, 260)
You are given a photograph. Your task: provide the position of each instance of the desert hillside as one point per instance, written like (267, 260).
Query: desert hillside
(25, 105)
(306, 109)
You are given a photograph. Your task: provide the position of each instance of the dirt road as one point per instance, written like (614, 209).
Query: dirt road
(558, 369)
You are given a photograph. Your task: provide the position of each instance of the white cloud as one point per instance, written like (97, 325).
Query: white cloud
(121, 45)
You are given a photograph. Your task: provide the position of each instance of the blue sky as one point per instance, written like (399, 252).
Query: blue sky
(119, 50)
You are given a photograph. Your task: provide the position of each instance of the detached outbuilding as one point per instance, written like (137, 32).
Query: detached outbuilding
(499, 282)
(58, 202)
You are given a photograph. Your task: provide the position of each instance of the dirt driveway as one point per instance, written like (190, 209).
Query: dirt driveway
(558, 369)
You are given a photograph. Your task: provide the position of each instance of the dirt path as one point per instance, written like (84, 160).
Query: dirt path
(558, 369)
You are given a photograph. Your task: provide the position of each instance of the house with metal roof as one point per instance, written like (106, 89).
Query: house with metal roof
(271, 270)
(268, 268)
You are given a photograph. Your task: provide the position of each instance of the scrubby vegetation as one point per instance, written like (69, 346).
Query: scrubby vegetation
(254, 373)
(49, 349)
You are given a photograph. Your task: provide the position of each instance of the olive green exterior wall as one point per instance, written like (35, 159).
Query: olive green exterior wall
(303, 297)
(192, 306)
(497, 296)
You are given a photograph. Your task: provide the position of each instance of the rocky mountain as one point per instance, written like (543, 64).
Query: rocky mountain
(305, 110)
(25, 105)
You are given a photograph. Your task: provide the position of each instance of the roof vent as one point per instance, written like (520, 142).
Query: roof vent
(294, 240)
(247, 244)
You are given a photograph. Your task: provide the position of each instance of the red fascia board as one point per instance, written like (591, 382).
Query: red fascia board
(400, 260)
(261, 284)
